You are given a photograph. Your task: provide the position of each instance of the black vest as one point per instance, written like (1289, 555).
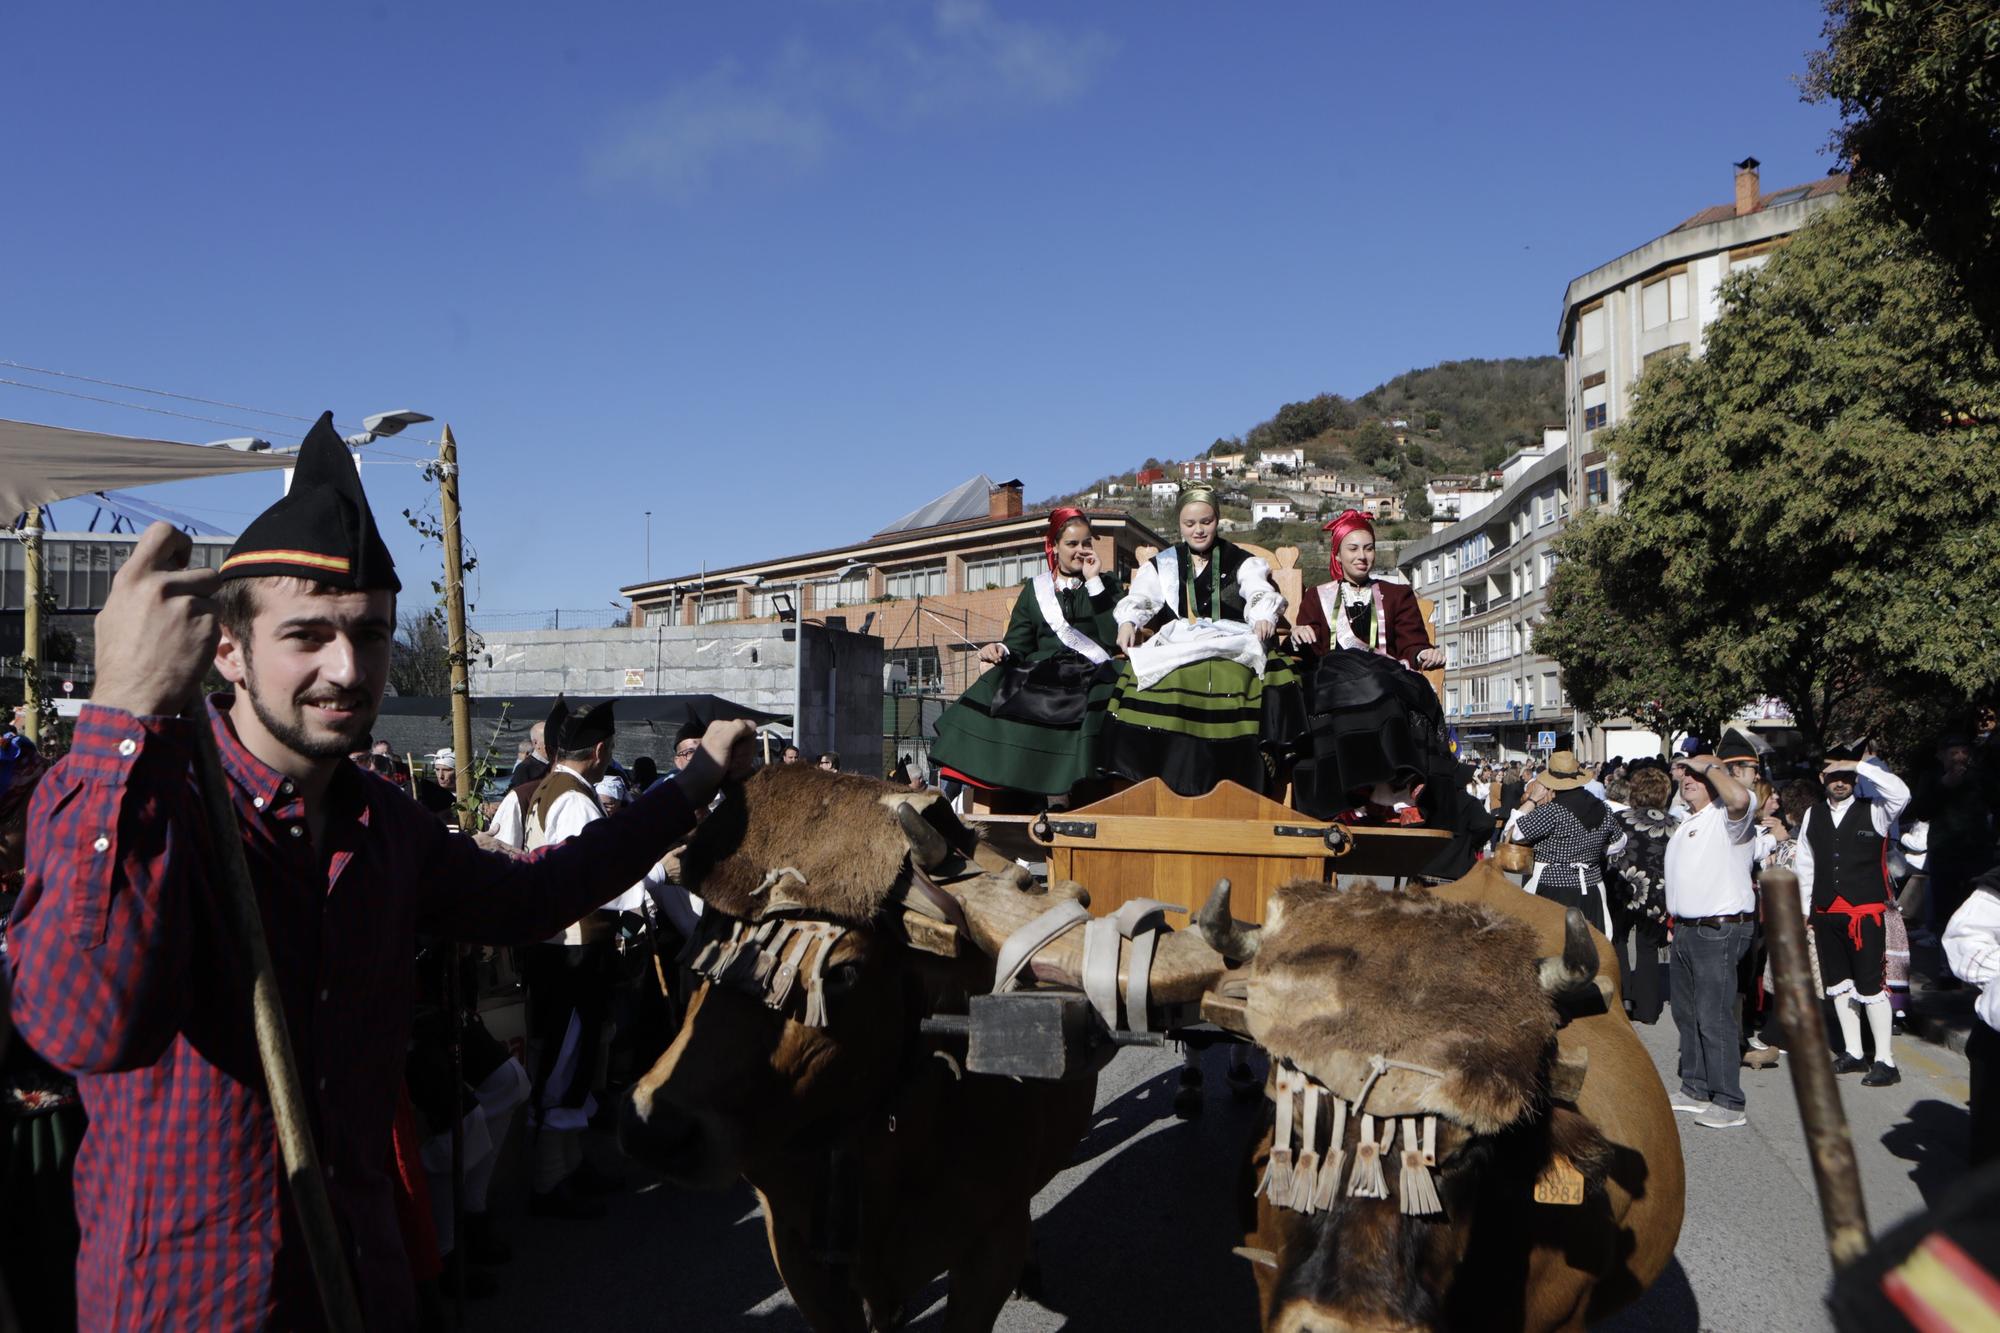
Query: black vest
(1849, 861)
(1226, 557)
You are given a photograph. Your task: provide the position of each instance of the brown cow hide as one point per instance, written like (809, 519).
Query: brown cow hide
(1346, 974)
(836, 831)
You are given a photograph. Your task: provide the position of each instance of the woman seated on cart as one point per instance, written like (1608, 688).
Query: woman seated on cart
(1377, 751)
(1201, 701)
(1032, 723)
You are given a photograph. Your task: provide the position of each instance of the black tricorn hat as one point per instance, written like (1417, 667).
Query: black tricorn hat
(552, 726)
(1845, 757)
(1735, 745)
(692, 729)
(322, 529)
(588, 725)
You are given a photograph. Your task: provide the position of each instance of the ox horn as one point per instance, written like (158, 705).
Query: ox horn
(1224, 933)
(1578, 962)
(926, 843)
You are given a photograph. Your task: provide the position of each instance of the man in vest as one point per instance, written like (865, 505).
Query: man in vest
(569, 977)
(510, 817)
(1842, 864)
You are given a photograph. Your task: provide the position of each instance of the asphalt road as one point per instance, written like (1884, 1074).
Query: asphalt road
(1137, 1234)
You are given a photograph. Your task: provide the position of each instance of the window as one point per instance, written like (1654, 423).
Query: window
(1431, 570)
(1664, 300)
(1451, 652)
(921, 665)
(916, 581)
(1597, 485)
(1450, 563)
(1595, 409)
(843, 592)
(1002, 571)
(764, 602)
(1551, 696)
(1548, 567)
(1590, 331)
(1497, 641)
(715, 606)
(1478, 690)
(1448, 608)
(1545, 510)
(1450, 698)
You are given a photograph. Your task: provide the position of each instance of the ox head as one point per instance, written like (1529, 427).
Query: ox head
(806, 1018)
(1414, 1070)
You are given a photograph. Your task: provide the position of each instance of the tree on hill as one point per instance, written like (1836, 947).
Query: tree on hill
(1811, 505)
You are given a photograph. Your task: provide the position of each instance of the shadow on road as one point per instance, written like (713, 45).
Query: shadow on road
(1669, 1306)
(1934, 1137)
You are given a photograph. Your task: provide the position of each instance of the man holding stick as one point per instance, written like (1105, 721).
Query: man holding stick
(122, 963)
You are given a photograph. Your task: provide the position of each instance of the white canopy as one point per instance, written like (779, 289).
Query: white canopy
(42, 464)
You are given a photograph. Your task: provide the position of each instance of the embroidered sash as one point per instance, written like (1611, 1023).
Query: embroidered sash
(1344, 636)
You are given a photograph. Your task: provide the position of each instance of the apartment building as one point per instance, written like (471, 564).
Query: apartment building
(1655, 301)
(1488, 575)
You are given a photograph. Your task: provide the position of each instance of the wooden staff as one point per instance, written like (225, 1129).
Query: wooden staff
(468, 812)
(1834, 1169)
(274, 1046)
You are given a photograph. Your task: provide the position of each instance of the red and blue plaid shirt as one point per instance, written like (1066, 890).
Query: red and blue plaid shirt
(123, 975)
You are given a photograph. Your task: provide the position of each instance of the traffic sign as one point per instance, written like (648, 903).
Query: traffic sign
(1545, 740)
(69, 687)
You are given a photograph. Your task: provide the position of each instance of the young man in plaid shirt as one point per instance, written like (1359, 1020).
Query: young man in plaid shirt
(121, 966)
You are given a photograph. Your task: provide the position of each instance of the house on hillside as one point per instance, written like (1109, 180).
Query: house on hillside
(1279, 510)
(1147, 476)
(1456, 497)
(1165, 491)
(1288, 458)
(1199, 469)
(1225, 464)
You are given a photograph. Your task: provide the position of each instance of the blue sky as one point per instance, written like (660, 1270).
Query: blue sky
(781, 270)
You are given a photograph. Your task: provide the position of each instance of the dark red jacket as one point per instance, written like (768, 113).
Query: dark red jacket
(1406, 636)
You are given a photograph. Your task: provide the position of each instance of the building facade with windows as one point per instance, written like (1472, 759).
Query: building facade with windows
(1655, 302)
(1488, 576)
(935, 586)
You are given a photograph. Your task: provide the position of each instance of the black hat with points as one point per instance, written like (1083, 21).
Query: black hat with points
(588, 725)
(321, 529)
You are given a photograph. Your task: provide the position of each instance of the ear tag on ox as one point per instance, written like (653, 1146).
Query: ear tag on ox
(1560, 1183)
(1327, 1187)
(1305, 1172)
(1277, 1186)
(1369, 1182)
(1416, 1188)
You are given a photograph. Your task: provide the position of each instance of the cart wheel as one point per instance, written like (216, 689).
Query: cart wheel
(1339, 842)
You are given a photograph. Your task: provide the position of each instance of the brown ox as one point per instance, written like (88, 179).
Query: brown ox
(1482, 1003)
(879, 1163)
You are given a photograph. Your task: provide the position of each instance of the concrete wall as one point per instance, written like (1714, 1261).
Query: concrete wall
(751, 664)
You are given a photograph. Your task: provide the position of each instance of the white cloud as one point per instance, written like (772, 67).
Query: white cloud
(963, 59)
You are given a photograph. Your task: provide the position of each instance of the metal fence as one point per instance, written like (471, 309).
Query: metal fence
(495, 622)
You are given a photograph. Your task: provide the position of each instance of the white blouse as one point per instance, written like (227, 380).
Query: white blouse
(1149, 593)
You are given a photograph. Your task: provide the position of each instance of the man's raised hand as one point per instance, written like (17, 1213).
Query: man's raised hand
(728, 750)
(156, 634)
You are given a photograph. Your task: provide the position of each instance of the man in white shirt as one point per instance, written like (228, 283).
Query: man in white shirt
(1972, 943)
(1841, 856)
(1713, 901)
(569, 977)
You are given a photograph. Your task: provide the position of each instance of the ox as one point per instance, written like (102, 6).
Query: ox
(1473, 1136)
(802, 1066)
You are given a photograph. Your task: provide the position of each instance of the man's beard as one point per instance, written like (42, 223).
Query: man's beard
(292, 733)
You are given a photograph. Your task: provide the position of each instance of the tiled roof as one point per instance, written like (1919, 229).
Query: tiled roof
(1825, 185)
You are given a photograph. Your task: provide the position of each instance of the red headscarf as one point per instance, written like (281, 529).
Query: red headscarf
(1353, 520)
(1059, 519)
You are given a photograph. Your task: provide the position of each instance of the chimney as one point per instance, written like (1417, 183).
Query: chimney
(1004, 500)
(1747, 192)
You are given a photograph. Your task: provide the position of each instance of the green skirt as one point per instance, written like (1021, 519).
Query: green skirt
(1205, 723)
(1013, 754)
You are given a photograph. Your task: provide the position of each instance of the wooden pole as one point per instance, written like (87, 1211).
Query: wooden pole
(468, 814)
(31, 639)
(274, 1046)
(1841, 1207)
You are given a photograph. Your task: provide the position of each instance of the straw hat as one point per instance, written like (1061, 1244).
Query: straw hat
(1563, 772)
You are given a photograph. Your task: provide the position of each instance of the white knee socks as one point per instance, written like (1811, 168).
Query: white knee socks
(1880, 1016)
(1850, 1023)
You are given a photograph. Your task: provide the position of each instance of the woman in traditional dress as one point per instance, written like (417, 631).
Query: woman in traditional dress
(1032, 723)
(1377, 751)
(1639, 892)
(1201, 702)
(1573, 833)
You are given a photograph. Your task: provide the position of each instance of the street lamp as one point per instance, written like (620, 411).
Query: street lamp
(242, 444)
(382, 425)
